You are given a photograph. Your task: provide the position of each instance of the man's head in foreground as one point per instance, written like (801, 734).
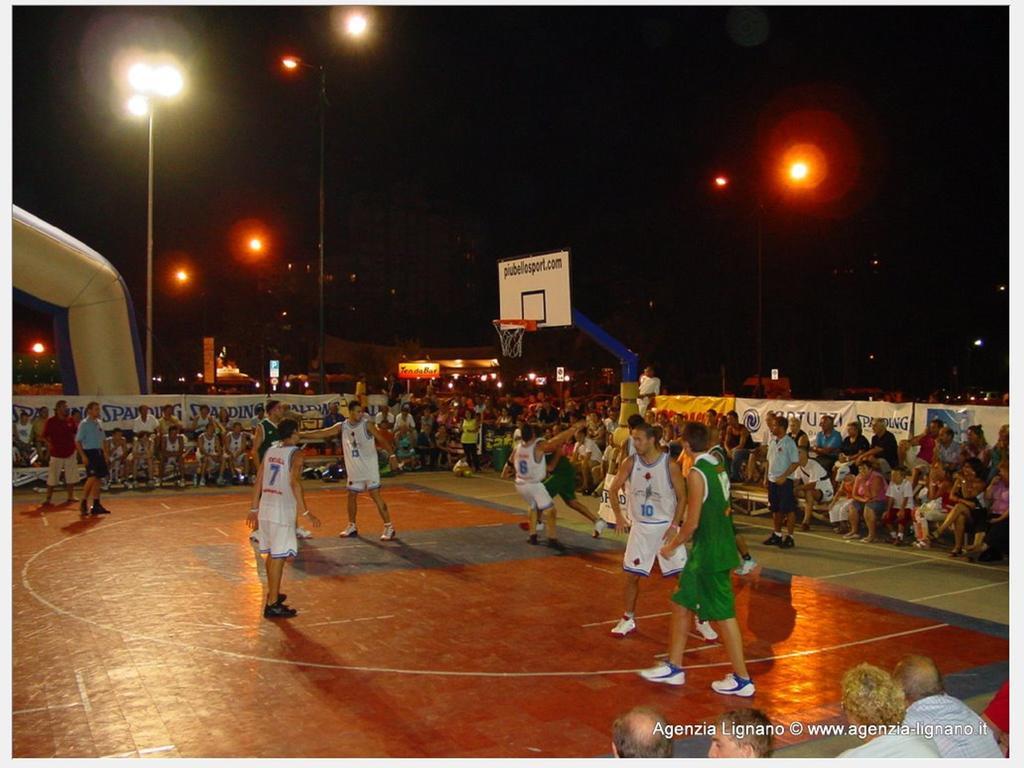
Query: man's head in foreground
(637, 734)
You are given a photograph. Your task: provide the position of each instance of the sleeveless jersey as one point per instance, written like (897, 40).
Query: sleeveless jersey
(23, 432)
(714, 541)
(360, 450)
(652, 497)
(171, 446)
(277, 502)
(528, 469)
(142, 447)
(201, 423)
(207, 444)
(269, 437)
(116, 450)
(236, 442)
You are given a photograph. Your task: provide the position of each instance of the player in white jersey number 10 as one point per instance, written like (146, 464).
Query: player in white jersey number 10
(276, 501)
(359, 437)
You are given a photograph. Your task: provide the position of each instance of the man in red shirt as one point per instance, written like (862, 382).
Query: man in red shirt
(59, 434)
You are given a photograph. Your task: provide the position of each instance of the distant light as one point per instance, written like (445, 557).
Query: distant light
(500, 385)
(257, 385)
(566, 378)
(484, 377)
(531, 376)
(181, 276)
(721, 181)
(979, 342)
(871, 357)
(255, 244)
(451, 385)
(798, 171)
(199, 375)
(1001, 288)
(494, 376)
(39, 348)
(356, 24)
(874, 262)
(138, 105)
(287, 385)
(284, 314)
(290, 62)
(455, 376)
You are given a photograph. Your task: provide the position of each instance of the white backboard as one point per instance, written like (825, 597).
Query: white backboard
(536, 287)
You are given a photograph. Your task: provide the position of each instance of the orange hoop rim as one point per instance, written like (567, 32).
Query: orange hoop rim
(526, 325)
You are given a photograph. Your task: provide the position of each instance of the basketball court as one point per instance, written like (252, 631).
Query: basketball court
(142, 634)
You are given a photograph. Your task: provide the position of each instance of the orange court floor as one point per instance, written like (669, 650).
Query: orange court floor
(141, 633)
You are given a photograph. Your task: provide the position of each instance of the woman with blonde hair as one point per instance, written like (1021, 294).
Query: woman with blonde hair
(875, 704)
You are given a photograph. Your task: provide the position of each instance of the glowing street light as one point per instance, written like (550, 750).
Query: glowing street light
(38, 348)
(798, 171)
(138, 105)
(255, 245)
(721, 181)
(356, 24)
(181, 276)
(979, 342)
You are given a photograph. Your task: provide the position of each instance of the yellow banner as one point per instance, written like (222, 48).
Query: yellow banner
(692, 408)
(419, 370)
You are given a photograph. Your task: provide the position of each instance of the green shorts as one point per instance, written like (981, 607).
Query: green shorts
(561, 484)
(708, 594)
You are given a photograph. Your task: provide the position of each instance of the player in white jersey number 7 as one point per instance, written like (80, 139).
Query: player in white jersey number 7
(359, 439)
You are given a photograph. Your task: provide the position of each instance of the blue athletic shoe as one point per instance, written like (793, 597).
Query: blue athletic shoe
(666, 672)
(733, 685)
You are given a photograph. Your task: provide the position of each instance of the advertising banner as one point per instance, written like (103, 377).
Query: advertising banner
(693, 408)
(898, 417)
(959, 417)
(419, 370)
(115, 410)
(752, 414)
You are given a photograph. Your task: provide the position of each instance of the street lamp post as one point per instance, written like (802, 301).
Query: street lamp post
(149, 81)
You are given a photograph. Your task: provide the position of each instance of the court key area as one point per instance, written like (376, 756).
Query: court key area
(141, 633)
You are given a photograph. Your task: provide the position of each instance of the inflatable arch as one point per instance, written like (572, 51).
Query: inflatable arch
(96, 340)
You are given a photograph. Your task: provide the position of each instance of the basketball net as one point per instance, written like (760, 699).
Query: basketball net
(511, 336)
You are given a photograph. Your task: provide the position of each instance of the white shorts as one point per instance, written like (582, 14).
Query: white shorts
(913, 460)
(932, 511)
(358, 486)
(70, 467)
(277, 539)
(536, 495)
(840, 511)
(827, 492)
(644, 545)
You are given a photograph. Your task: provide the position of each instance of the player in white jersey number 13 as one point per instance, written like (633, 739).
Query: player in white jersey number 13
(359, 438)
(656, 500)
(276, 501)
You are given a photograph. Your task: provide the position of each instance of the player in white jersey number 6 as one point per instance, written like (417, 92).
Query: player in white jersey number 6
(358, 440)
(656, 501)
(276, 501)
(531, 468)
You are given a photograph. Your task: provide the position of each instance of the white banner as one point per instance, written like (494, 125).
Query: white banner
(752, 414)
(960, 417)
(898, 417)
(115, 410)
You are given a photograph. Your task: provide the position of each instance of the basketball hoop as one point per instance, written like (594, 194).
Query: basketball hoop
(511, 334)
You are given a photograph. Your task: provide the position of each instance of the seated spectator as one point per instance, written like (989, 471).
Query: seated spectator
(596, 430)
(797, 433)
(899, 507)
(223, 421)
(405, 457)
(38, 441)
(997, 715)
(142, 457)
(586, 459)
(168, 420)
(1000, 451)
(872, 698)
(200, 422)
(839, 511)
(425, 447)
(976, 447)
(851, 449)
(757, 461)
(827, 444)
(742, 733)
(925, 443)
(997, 540)
(947, 451)
(145, 421)
(405, 419)
(967, 515)
(936, 506)
(868, 500)
(24, 449)
(883, 448)
(811, 484)
(237, 453)
(738, 444)
(118, 451)
(385, 418)
(209, 455)
(641, 732)
(958, 731)
(170, 449)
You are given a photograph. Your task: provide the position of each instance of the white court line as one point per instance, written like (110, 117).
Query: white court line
(164, 505)
(616, 621)
(45, 521)
(133, 753)
(46, 708)
(81, 690)
(957, 592)
(151, 750)
(603, 570)
(491, 525)
(910, 552)
(690, 650)
(870, 570)
(348, 621)
(218, 530)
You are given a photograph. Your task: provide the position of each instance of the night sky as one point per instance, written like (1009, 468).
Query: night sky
(595, 128)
